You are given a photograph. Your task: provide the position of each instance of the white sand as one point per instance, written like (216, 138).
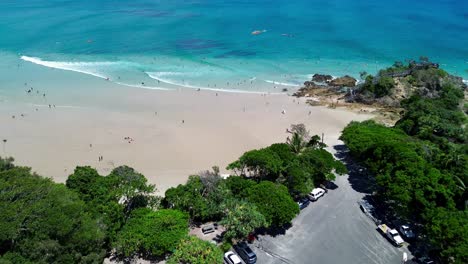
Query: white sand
(216, 130)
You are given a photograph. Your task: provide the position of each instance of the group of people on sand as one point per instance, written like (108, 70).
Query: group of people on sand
(100, 158)
(129, 139)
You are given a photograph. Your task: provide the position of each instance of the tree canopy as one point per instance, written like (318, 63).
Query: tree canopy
(421, 166)
(151, 233)
(273, 202)
(44, 222)
(241, 218)
(112, 197)
(192, 250)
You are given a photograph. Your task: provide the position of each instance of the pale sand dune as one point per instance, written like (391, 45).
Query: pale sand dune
(216, 131)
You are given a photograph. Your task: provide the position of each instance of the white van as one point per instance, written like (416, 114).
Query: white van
(316, 193)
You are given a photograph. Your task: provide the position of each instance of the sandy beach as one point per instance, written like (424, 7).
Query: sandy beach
(173, 134)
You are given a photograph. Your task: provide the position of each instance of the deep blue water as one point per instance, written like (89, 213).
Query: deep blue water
(208, 43)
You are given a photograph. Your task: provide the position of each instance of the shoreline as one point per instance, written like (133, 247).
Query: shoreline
(175, 133)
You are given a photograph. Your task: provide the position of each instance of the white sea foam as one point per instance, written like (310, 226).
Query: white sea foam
(86, 68)
(81, 67)
(144, 86)
(157, 76)
(283, 83)
(465, 81)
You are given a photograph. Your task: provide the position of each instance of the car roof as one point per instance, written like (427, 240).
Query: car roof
(233, 257)
(317, 190)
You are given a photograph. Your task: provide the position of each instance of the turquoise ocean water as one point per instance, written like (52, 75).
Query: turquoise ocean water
(209, 43)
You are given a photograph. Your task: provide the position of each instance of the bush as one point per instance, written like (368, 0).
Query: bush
(44, 222)
(193, 250)
(273, 201)
(151, 233)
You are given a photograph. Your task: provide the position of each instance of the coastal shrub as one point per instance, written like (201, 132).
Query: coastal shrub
(44, 222)
(238, 185)
(384, 86)
(196, 251)
(273, 201)
(225, 246)
(151, 233)
(240, 219)
(112, 198)
(202, 203)
(262, 164)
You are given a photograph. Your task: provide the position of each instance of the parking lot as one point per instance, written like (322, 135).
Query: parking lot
(332, 230)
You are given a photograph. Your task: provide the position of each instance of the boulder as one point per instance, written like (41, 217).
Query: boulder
(345, 81)
(322, 78)
(309, 87)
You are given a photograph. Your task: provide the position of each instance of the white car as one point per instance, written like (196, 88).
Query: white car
(316, 193)
(231, 258)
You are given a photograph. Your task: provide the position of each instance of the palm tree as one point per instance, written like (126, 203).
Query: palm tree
(296, 143)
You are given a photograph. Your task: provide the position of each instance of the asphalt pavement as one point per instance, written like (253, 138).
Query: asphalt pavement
(331, 230)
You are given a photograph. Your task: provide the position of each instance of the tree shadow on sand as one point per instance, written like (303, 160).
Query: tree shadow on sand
(359, 177)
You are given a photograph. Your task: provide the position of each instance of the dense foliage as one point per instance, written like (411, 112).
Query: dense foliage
(421, 167)
(200, 197)
(300, 164)
(196, 251)
(273, 201)
(151, 233)
(241, 218)
(44, 222)
(112, 198)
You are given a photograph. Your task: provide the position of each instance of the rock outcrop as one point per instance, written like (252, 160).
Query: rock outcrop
(345, 81)
(322, 78)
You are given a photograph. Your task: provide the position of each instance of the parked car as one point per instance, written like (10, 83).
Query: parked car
(366, 207)
(231, 258)
(392, 234)
(369, 210)
(303, 203)
(246, 253)
(406, 231)
(316, 193)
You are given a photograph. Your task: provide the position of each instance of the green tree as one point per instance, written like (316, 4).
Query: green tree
(192, 250)
(448, 231)
(200, 198)
(384, 86)
(44, 222)
(321, 165)
(297, 143)
(112, 197)
(240, 219)
(151, 233)
(261, 164)
(238, 186)
(273, 201)
(6, 163)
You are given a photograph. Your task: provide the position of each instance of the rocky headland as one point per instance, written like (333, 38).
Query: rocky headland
(382, 93)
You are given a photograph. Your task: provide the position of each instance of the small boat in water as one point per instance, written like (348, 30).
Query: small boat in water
(258, 32)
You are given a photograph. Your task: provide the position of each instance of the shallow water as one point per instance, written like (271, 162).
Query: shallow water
(207, 44)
